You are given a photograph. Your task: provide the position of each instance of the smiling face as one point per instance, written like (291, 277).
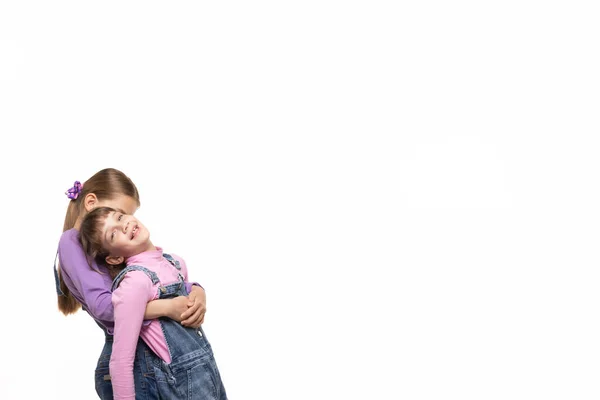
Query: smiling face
(124, 236)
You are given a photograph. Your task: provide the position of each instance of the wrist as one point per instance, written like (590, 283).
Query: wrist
(196, 286)
(171, 309)
(157, 308)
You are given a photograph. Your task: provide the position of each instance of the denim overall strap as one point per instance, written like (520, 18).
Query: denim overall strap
(175, 264)
(173, 261)
(173, 289)
(56, 280)
(151, 274)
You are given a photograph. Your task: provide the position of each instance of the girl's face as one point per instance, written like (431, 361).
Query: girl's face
(124, 236)
(122, 202)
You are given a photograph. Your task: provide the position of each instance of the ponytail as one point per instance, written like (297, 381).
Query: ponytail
(72, 214)
(67, 303)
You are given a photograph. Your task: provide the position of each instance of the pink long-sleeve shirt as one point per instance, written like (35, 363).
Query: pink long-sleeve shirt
(129, 301)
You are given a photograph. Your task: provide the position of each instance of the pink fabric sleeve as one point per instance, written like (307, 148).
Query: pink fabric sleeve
(129, 301)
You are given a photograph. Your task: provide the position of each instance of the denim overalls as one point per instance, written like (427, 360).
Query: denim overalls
(143, 373)
(192, 373)
(143, 370)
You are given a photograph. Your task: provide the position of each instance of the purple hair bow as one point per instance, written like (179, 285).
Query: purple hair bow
(74, 191)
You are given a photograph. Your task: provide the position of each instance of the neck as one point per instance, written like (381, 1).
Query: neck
(78, 222)
(151, 247)
(148, 247)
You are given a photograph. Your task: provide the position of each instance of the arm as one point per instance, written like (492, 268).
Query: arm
(170, 308)
(194, 316)
(129, 301)
(93, 287)
(176, 307)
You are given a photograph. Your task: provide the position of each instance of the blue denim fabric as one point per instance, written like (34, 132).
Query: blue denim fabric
(102, 374)
(143, 372)
(192, 373)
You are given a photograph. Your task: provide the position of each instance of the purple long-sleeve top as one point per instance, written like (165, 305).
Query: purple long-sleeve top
(90, 285)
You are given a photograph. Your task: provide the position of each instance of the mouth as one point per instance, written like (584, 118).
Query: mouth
(134, 232)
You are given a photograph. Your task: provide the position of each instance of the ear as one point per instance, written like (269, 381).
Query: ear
(114, 260)
(90, 201)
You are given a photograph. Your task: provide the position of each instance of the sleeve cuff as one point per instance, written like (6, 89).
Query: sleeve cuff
(189, 285)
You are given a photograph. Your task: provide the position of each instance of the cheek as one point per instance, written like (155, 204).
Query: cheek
(108, 246)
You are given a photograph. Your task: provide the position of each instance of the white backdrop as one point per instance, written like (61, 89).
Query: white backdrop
(382, 199)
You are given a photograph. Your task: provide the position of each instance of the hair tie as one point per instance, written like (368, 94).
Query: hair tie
(74, 191)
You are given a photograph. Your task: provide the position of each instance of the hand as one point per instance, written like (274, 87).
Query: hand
(177, 306)
(194, 316)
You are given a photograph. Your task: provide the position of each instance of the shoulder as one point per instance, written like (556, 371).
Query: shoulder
(136, 276)
(70, 251)
(69, 238)
(132, 278)
(71, 254)
(133, 286)
(176, 258)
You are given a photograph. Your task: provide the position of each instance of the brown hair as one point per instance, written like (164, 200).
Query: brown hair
(90, 236)
(106, 184)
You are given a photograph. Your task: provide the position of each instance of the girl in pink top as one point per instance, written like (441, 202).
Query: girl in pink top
(142, 273)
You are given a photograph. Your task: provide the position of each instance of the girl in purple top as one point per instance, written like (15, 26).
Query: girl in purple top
(80, 285)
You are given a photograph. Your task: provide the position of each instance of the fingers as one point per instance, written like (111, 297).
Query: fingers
(190, 311)
(186, 314)
(191, 299)
(193, 307)
(196, 320)
(194, 315)
(193, 322)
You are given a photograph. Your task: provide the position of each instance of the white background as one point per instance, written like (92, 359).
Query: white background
(384, 200)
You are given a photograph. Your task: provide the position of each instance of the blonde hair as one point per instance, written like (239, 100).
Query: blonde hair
(106, 184)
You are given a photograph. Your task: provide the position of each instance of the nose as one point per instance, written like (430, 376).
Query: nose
(124, 226)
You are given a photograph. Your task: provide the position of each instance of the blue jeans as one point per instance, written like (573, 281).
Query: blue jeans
(143, 372)
(193, 375)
